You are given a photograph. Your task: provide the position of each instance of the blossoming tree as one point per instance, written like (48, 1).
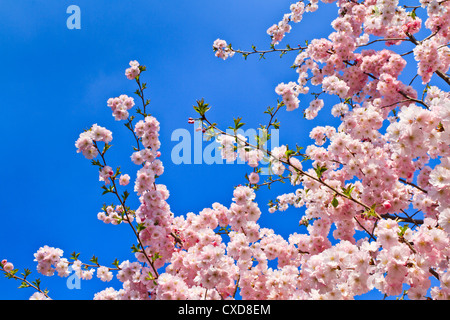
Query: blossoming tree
(375, 190)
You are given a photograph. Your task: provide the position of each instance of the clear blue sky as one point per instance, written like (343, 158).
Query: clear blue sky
(55, 83)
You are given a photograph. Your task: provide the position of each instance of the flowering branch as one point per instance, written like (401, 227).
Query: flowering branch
(126, 213)
(299, 170)
(261, 53)
(10, 272)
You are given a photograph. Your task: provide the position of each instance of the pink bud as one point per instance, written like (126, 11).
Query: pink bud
(8, 267)
(387, 205)
(253, 178)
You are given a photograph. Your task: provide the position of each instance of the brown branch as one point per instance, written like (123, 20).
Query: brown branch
(413, 185)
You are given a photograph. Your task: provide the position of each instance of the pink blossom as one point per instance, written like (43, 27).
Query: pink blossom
(8, 267)
(132, 72)
(253, 178)
(124, 179)
(105, 174)
(222, 50)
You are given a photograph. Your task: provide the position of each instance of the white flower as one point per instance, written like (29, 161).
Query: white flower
(440, 177)
(444, 220)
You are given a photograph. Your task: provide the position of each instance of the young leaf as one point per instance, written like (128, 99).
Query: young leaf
(403, 229)
(140, 227)
(201, 107)
(335, 202)
(23, 285)
(74, 256)
(348, 191)
(320, 170)
(94, 260)
(116, 263)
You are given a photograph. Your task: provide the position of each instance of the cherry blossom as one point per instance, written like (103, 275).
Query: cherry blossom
(358, 188)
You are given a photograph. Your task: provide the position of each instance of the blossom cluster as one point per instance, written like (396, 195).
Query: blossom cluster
(86, 140)
(133, 71)
(289, 93)
(120, 106)
(222, 49)
(114, 215)
(384, 164)
(278, 31)
(388, 158)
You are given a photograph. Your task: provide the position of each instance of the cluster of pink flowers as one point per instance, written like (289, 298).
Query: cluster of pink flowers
(105, 174)
(120, 106)
(232, 148)
(49, 258)
(431, 57)
(148, 131)
(133, 71)
(85, 142)
(313, 109)
(113, 215)
(289, 93)
(365, 177)
(7, 266)
(228, 147)
(222, 50)
(278, 31)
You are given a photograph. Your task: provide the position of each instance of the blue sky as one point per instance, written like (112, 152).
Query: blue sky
(55, 83)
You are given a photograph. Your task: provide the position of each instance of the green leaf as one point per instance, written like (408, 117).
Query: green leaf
(156, 256)
(269, 110)
(37, 282)
(335, 202)
(117, 172)
(201, 107)
(150, 276)
(320, 170)
(26, 273)
(115, 263)
(237, 124)
(96, 163)
(348, 191)
(134, 249)
(140, 227)
(94, 260)
(289, 153)
(74, 256)
(107, 189)
(106, 147)
(403, 229)
(371, 212)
